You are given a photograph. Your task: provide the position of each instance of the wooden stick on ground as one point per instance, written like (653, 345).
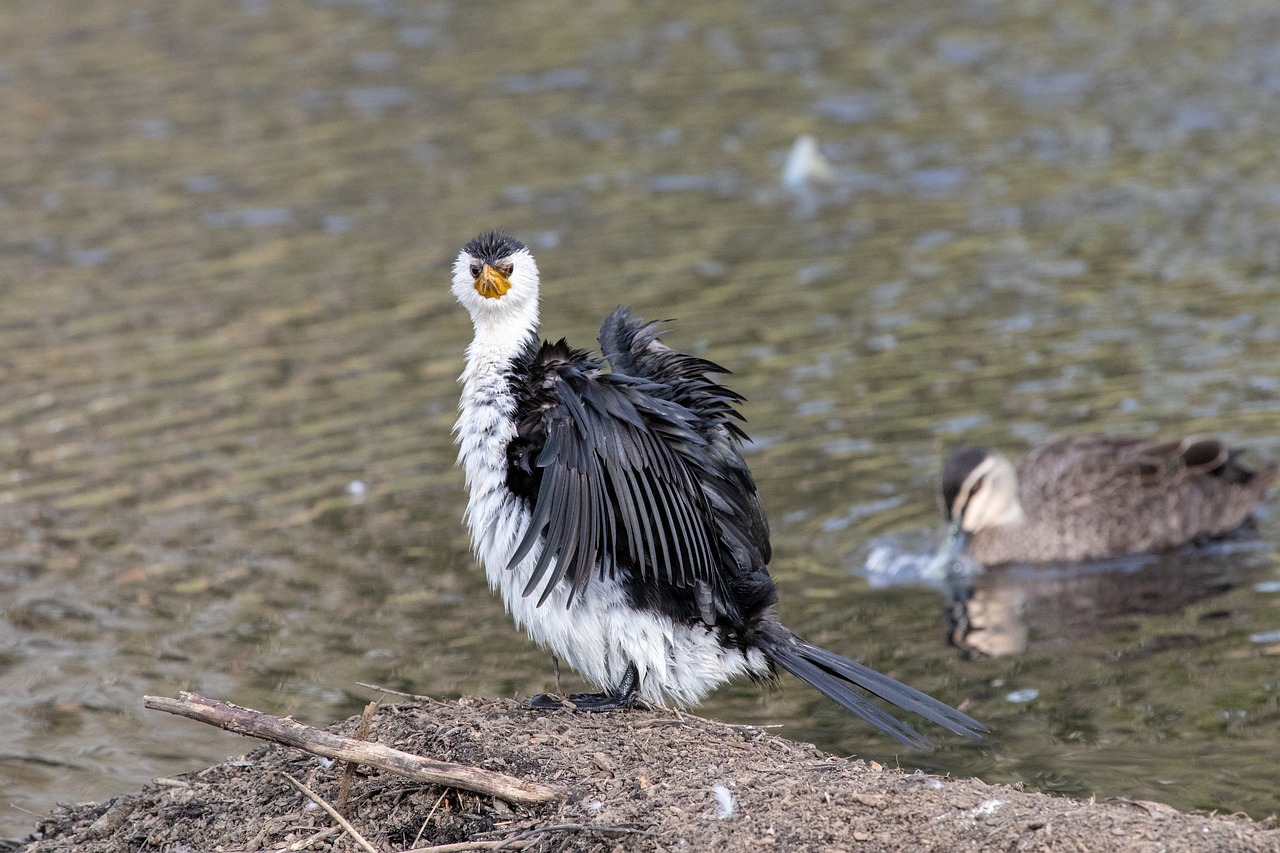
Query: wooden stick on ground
(333, 813)
(417, 697)
(282, 730)
(349, 768)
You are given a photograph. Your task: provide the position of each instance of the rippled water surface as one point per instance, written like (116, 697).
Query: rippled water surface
(229, 352)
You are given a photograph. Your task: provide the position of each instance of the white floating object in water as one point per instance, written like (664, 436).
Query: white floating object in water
(1022, 695)
(726, 805)
(805, 165)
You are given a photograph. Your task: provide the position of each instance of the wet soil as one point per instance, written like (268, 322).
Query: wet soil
(631, 781)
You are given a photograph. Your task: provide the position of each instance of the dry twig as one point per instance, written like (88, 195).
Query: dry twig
(417, 697)
(304, 843)
(349, 768)
(430, 815)
(283, 730)
(333, 813)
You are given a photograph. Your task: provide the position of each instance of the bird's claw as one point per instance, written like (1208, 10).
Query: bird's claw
(589, 702)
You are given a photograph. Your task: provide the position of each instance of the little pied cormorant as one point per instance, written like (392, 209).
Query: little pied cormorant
(613, 511)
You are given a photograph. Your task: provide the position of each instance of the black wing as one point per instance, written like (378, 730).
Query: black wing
(633, 347)
(625, 478)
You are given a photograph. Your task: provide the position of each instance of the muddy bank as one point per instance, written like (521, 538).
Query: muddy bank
(632, 781)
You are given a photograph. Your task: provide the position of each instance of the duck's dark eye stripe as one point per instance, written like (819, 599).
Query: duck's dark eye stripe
(968, 499)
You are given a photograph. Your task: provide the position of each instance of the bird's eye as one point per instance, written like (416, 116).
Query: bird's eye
(506, 269)
(475, 270)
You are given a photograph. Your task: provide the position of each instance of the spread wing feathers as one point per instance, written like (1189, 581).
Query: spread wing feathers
(624, 480)
(633, 348)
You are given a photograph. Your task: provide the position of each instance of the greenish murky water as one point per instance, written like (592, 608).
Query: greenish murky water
(228, 349)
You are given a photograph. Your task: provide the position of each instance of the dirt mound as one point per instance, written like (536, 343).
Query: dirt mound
(631, 780)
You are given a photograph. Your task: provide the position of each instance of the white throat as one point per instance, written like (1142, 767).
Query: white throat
(499, 338)
(485, 423)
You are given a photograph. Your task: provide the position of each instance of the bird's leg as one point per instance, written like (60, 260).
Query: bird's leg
(626, 695)
(555, 665)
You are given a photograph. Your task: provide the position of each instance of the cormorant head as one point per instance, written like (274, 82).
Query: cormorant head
(980, 490)
(495, 278)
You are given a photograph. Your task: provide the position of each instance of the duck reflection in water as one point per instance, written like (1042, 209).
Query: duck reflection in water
(1007, 609)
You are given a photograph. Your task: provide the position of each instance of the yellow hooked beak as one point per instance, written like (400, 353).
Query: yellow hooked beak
(492, 284)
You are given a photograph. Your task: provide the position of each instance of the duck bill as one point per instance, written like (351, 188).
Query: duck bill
(944, 562)
(492, 284)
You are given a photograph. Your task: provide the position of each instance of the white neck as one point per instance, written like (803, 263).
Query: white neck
(486, 426)
(500, 337)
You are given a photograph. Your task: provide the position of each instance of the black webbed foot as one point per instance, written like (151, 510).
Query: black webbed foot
(624, 697)
(592, 702)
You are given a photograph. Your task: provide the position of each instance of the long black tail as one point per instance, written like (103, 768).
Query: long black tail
(835, 677)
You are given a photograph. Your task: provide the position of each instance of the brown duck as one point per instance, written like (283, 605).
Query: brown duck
(1094, 496)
